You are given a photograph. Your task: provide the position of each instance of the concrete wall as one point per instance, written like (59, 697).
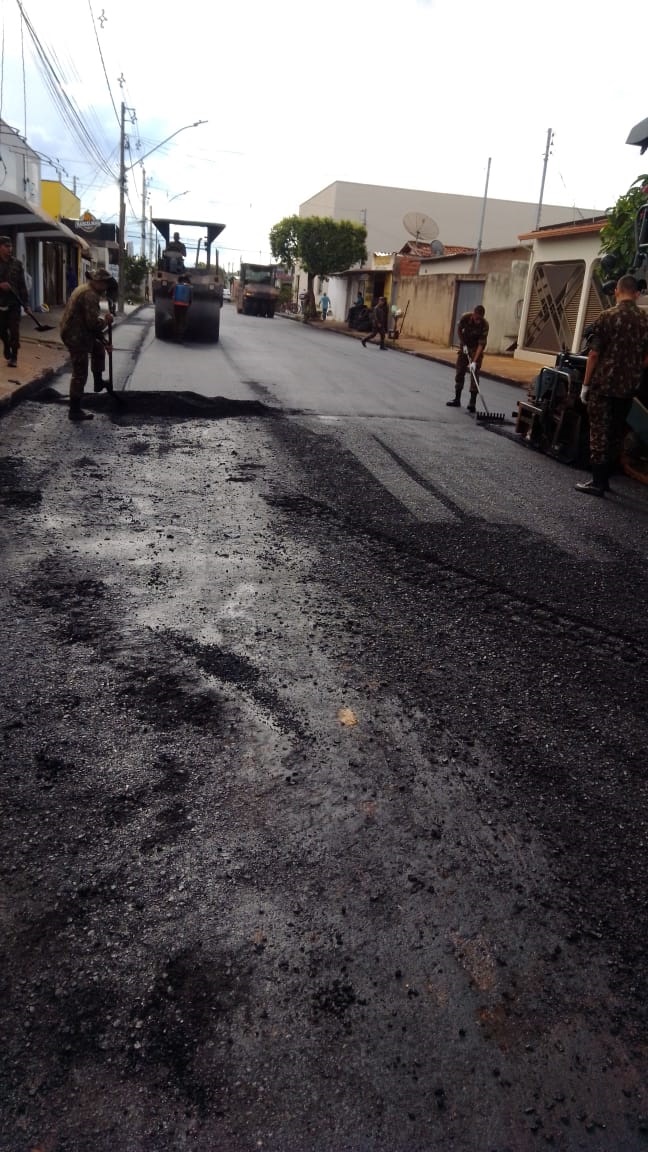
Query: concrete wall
(382, 210)
(504, 294)
(431, 314)
(22, 167)
(431, 306)
(58, 201)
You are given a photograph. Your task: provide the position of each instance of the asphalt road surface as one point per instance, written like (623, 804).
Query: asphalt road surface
(323, 729)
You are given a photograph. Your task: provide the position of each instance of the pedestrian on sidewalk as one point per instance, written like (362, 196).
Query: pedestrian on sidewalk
(13, 297)
(380, 324)
(82, 327)
(472, 330)
(617, 355)
(325, 304)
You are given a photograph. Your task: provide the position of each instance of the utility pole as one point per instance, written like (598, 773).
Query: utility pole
(544, 174)
(122, 211)
(143, 230)
(483, 217)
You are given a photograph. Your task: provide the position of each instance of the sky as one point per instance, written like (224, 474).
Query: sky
(408, 93)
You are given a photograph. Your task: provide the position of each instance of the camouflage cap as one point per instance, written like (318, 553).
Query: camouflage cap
(6, 240)
(100, 276)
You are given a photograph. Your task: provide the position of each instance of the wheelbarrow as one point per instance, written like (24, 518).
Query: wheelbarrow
(395, 332)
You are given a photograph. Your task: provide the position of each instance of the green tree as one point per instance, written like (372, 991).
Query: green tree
(284, 241)
(135, 270)
(321, 245)
(618, 239)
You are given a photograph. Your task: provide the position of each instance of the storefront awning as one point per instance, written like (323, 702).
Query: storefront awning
(17, 215)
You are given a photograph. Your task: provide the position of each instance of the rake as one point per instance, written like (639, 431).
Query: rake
(485, 417)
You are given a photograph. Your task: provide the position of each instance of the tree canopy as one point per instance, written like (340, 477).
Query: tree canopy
(618, 238)
(321, 245)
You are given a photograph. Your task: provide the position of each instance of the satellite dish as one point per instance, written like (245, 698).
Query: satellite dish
(437, 248)
(420, 226)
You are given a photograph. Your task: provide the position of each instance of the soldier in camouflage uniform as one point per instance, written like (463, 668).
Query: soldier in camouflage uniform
(618, 352)
(82, 327)
(472, 330)
(13, 296)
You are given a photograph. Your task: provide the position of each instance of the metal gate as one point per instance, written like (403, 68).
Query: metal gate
(469, 294)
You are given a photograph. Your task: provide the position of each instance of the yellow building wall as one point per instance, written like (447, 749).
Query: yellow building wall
(58, 201)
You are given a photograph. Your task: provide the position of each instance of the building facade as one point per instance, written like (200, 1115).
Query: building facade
(563, 293)
(46, 247)
(390, 214)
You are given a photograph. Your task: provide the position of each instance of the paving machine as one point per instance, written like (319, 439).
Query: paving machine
(203, 317)
(553, 419)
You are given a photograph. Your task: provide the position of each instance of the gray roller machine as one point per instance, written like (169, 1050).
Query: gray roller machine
(203, 319)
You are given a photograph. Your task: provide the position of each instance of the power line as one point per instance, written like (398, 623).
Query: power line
(103, 65)
(67, 107)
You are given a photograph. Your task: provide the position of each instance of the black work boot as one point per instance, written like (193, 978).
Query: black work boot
(456, 403)
(99, 382)
(471, 403)
(76, 411)
(598, 485)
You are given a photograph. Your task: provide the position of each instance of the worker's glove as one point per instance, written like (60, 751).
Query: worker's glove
(472, 366)
(465, 349)
(584, 394)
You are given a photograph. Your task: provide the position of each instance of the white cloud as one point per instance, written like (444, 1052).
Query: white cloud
(418, 94)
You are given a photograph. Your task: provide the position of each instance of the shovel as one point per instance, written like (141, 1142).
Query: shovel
(40, 327)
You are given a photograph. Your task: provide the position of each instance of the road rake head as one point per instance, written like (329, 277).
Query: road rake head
(490, 417)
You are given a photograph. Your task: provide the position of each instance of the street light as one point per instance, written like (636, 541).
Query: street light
(122, 190)
(186, 193)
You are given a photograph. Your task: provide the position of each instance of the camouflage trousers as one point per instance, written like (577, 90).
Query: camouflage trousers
(79, 361)
(10, 331)
(607, 420)
(461, 367)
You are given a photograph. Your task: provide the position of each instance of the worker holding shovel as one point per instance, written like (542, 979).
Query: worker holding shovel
(82, 331)
(13, 297)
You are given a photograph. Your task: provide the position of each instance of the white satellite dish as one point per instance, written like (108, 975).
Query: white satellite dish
(437, 248)
(420, 226)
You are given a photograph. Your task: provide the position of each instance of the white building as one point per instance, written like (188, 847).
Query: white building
(31, 229)
(454, 219)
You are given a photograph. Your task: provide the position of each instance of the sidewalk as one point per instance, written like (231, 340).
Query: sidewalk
(520, 373)
(40, 357)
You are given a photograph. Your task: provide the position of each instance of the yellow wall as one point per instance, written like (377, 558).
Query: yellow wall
(58, 201)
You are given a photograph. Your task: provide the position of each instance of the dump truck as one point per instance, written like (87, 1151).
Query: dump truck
(203, 316)
(256, 290)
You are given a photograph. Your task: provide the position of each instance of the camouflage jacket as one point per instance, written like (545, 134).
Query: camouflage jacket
(620, 336)
(473, 333)
(82, 320)
(13, 273)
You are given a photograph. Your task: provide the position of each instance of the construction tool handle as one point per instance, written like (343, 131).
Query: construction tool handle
(25, 306)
